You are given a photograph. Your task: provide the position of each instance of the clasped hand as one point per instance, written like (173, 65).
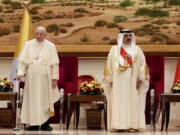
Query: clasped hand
(138, 83)
(54, 84)
(19, 77)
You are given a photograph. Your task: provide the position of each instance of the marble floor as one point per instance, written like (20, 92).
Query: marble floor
(174, 129)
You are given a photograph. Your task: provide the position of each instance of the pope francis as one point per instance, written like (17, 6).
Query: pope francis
(38, 63)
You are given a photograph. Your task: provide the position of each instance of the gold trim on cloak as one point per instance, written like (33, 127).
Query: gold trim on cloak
(106, 70)
(146, 72)
(51, 113)
(126, 65)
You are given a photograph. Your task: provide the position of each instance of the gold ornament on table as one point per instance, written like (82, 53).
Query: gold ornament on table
(126, 65)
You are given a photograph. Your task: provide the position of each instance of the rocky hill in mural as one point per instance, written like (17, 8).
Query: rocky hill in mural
(93, 22)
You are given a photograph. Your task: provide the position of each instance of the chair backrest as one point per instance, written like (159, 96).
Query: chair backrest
(68, 78)
(84, 78)
(156, 71)
(68, 74)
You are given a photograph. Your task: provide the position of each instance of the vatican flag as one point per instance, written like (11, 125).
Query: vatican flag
(25, 35)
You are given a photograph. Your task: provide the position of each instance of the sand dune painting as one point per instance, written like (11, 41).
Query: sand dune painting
(95, 22)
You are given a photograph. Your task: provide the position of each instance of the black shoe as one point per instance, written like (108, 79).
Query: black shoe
(32, 128)
(46, 128)
(46, 124)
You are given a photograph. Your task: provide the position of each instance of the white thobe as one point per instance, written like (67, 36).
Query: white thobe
(39, 63)
(126, 103)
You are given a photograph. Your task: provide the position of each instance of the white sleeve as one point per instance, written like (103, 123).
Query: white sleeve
(143, 73)
(55, 71)
(21, 69)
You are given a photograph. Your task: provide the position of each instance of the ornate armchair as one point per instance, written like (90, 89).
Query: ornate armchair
(156, 70)
(68, 78)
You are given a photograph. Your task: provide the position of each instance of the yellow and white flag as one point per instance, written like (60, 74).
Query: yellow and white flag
(26, 33)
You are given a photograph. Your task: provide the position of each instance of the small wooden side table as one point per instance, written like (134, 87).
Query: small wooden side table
(77, 99)
(165, 100)
(8, 115)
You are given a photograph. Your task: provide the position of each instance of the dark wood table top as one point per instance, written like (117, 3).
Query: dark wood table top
(8, 95)
(171, 97)
(171, 94)
(83, 98)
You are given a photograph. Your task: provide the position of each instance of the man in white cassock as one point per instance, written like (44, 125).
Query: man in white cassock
(38, 64)
(127, 76)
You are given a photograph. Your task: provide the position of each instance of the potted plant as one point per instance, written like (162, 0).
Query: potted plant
(91, 88)
(176, 87)
(6, 85)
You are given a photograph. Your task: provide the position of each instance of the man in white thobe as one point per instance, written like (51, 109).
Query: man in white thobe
(128, 82)
(38, 63)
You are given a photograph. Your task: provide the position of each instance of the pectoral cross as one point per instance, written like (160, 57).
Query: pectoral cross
(36, 58)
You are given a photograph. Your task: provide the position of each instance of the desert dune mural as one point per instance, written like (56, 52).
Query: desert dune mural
(95, 22)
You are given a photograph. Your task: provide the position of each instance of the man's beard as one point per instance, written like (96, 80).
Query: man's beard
(128, 41)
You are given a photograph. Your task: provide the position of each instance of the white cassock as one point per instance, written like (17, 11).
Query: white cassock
(126, 103)
(39, 63)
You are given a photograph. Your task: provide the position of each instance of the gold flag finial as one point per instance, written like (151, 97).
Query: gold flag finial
(25, 4)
